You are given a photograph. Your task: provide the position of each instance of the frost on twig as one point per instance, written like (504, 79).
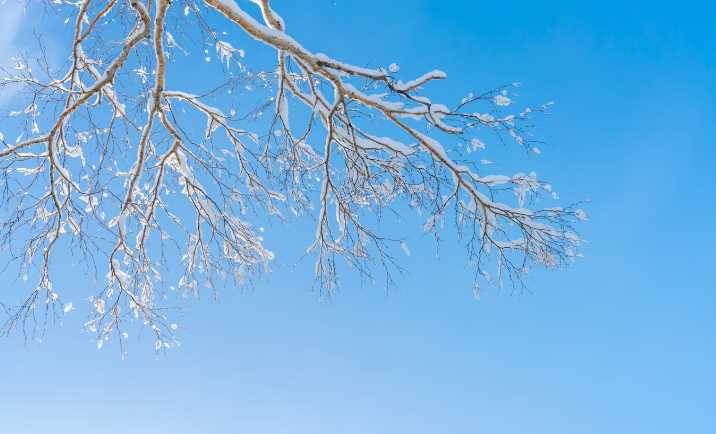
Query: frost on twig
(109, 164)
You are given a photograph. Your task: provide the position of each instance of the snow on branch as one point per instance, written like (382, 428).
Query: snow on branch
(109, 164)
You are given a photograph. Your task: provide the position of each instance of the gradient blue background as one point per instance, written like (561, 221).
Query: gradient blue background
(623, 342)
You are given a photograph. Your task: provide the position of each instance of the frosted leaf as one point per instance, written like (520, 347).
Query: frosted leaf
(502, 100)
(493, 180)
(43, 214)
(74, 152)
(91, 202)
(83, 136)
(91, 326)
(32, 108)
(581, 215)
(405, 248)
(67, 307)
(393, 67)
(170, 40)
(226, 51)
(99, 306)
(100, 343)
(486, 117)
(29, 171)
(142, 74)
(477, 144)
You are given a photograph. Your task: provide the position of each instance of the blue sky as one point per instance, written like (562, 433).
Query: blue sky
(623, 342)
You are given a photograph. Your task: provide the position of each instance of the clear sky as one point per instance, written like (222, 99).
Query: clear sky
(623, 342)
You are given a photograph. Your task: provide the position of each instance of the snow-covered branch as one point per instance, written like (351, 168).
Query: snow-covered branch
(109, 163)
